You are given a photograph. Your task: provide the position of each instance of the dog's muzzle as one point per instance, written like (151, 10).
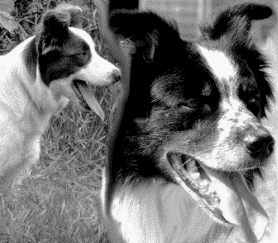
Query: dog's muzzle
(225, 195)
(116, 76)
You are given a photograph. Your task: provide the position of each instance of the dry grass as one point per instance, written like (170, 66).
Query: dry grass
(59, 200)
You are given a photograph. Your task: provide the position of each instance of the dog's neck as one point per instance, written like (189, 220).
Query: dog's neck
(161, 212)
(22, 94)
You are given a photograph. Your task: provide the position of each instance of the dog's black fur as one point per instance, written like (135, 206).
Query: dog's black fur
(174, 104)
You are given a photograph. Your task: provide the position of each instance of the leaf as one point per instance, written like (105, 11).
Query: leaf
(7, 21)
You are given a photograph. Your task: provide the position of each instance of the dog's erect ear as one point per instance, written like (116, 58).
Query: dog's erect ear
(74, 11)
(144, 30)
(53, 29)
(237, 20)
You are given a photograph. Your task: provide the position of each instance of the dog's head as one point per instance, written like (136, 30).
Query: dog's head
(62, 57)
(198, 107)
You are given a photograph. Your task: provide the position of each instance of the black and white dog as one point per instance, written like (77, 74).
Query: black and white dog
(191, 143)
(37, 79)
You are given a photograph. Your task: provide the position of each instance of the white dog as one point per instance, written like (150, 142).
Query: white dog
(37, 78)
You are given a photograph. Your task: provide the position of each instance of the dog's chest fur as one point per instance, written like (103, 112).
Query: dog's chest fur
(21, 123)
(159, 212)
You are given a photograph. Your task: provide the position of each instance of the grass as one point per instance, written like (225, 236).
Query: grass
(59, 201)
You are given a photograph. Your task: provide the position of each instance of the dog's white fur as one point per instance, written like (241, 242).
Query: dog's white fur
(161, 212)
(219, 63)
(26, 105)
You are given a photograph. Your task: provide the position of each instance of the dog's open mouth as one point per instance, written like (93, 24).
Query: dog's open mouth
(81, 88)
(224, 195)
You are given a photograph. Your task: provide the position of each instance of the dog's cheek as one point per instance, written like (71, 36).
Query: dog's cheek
(165, 120)
(168, 125)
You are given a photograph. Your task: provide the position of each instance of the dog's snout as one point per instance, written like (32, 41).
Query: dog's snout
(259, 143)
(116, 75)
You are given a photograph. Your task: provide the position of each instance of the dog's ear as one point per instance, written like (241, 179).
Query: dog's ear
(237, 20)
(143, 30)
(75, 13)
(53, 29)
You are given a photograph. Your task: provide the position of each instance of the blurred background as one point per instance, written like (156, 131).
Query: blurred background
(190, 13)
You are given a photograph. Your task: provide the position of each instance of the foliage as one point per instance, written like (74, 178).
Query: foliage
(21, 21)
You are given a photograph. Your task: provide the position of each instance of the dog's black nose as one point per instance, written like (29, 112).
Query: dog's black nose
(116, 76)
(260, 143)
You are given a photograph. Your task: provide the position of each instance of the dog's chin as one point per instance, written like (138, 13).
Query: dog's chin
(82, 89)
(223, 195)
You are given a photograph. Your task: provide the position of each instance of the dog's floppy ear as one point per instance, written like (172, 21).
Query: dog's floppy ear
(143, 29)
(237, 20)
(53, 29)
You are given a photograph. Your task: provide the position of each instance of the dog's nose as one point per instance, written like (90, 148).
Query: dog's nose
(260, 143)
(116, 75)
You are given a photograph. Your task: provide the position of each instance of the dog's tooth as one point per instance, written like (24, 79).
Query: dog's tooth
(213, 199)
(204, 184)
(191, 165)
(195, 176)
(204, 188)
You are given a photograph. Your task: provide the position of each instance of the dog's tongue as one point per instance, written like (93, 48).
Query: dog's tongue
(91, 101)
(239, 206)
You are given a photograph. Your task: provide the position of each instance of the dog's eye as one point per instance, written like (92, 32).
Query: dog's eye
(82, 54)
(190, 104)
(254, 98)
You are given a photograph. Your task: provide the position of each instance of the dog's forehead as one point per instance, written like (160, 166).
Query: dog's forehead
(83, 35)
(219, 63)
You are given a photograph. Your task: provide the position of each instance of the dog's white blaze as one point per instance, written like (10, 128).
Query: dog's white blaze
(233, 112)
(234, 116)
(230, 109)
(220, 64)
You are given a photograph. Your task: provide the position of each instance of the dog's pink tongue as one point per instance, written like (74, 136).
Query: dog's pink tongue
(240, 207)
(91, 101)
